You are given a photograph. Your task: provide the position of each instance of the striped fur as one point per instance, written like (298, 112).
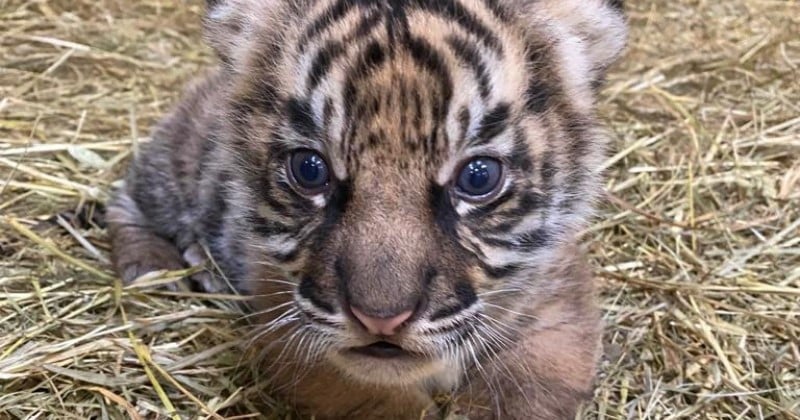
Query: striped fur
(396, 95)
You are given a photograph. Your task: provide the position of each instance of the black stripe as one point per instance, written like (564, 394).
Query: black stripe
(338, 202)
(598, 83)
(456, 328)
(403, 94)
(263, 97)
(301, 118)
(308, 290)
(266, 191)
(370, 58)
(485, 210)
(322, 63)
(418, 107)
(503, 227)
(365, 26)
(331, 15)
(465, 296)
(577, 131)
(500, 272)
(444, 214)
(427, 277)
(332, 50)
(548, 171)
(529, 201)
(493, 123)
(455, 12)
(618, 5)
(470, 56)
(535, 239)
(539, 94)
(520, 158)
(319, 320)
(528, 241)
(266, 227)
(327, 117)
(498, 10)
(301, 203)
(432, 139)
(350, 128)
(464, 120)
(396, 23)
(461, 336)
(426, 56)
(499, 243)
(474, 248)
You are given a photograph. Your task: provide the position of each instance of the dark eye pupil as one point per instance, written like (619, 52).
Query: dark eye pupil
(479, 177)
(309, 170)
(478, 174)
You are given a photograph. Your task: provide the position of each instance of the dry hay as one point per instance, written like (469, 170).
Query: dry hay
(697, 248)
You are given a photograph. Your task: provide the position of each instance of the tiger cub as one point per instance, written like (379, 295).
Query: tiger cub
(399, 184)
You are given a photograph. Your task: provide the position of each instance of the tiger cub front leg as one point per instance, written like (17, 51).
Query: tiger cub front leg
(136, 248)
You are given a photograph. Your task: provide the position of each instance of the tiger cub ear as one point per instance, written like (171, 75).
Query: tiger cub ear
(225, 25)
(231, 27)
(600, 26)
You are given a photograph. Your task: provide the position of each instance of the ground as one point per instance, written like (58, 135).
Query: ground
(696, 249)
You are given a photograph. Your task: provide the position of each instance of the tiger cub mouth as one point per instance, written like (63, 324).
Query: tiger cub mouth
(383, 350)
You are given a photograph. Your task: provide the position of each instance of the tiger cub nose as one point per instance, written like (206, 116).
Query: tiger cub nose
(381, 326)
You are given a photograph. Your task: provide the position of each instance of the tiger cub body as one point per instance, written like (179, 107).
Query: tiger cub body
(399, 184)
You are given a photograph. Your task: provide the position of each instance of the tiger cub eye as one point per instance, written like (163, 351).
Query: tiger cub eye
(308, 171)
(479, 179)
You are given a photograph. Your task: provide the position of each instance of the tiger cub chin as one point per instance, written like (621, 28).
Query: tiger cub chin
(400, 185)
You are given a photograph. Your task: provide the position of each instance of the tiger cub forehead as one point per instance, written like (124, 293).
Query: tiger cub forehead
(398, 81)
(404, 80)
(479, 46)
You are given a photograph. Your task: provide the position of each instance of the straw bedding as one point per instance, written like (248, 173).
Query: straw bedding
(697, 246)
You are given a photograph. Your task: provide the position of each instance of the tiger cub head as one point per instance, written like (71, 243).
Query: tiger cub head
(410, 169)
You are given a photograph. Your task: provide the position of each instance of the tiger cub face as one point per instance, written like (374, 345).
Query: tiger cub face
(411, 169)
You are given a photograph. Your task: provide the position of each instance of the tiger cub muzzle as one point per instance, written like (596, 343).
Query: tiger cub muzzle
(389, 282)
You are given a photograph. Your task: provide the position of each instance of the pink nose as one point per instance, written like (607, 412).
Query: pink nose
(382, 326)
